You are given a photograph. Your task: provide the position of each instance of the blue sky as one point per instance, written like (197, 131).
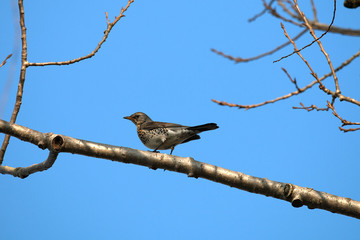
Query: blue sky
(158, 60)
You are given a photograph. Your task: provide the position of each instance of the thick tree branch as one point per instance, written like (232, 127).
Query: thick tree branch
(296, 195)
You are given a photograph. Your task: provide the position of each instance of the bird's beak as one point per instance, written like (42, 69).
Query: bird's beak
(128, 118)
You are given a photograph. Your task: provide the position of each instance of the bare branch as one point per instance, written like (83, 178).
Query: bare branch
(261, 13)
(296, 195)
(4, 62)
(334, 29)
(344, 122)
(314, 107)
(287, 10)
(107, 18)
(106, 34)
(23, 172)
(292, 80)
(246, 107)
(337, 91)
(20, 89)
(314, 24)
(277, 15)
(239, 59)
(25, 64)
(311, 108)
(315, 12)
(316, 39)
(349, 129)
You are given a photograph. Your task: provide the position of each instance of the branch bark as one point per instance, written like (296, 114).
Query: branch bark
(56, 143)
(20, 89)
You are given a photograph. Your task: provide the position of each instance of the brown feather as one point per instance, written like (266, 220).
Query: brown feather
(152, 125)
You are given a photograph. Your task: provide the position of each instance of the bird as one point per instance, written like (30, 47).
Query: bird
(163, 135)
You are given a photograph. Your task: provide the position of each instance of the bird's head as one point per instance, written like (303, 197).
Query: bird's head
(138, 118)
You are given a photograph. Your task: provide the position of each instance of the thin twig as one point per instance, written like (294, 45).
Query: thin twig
(320, 26)
(316, 39)
(20, 89)
(314, 11)
(298, 52)
(343, 121)
(260, 13)
(246, 107)
(276, 14)
(292, 80)
(25, 64)
(4, 62)
(337, 91)
(239, 59)
(110, 25)
(349, 129)
(311, 108)
(107, 18)
(288, 11)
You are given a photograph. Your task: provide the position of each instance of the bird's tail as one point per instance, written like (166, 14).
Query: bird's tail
(204, 127)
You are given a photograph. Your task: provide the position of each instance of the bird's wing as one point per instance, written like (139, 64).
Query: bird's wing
(153, 125)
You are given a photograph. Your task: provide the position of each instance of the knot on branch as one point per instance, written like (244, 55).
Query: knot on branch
(296, 200)
(288, 190)
(21, 172)
(41, 145)
(195, 168)
(57, 143)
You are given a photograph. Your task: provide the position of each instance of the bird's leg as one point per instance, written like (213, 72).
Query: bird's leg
(172, 149)
(157, 149)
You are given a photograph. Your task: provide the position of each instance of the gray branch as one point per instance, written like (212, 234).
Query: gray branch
(56, 143)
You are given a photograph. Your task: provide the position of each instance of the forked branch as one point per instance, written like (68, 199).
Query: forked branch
(110, 25)
(301, 90)
(343, 121)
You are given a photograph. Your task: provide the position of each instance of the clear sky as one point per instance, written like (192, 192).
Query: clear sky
(158, 60)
